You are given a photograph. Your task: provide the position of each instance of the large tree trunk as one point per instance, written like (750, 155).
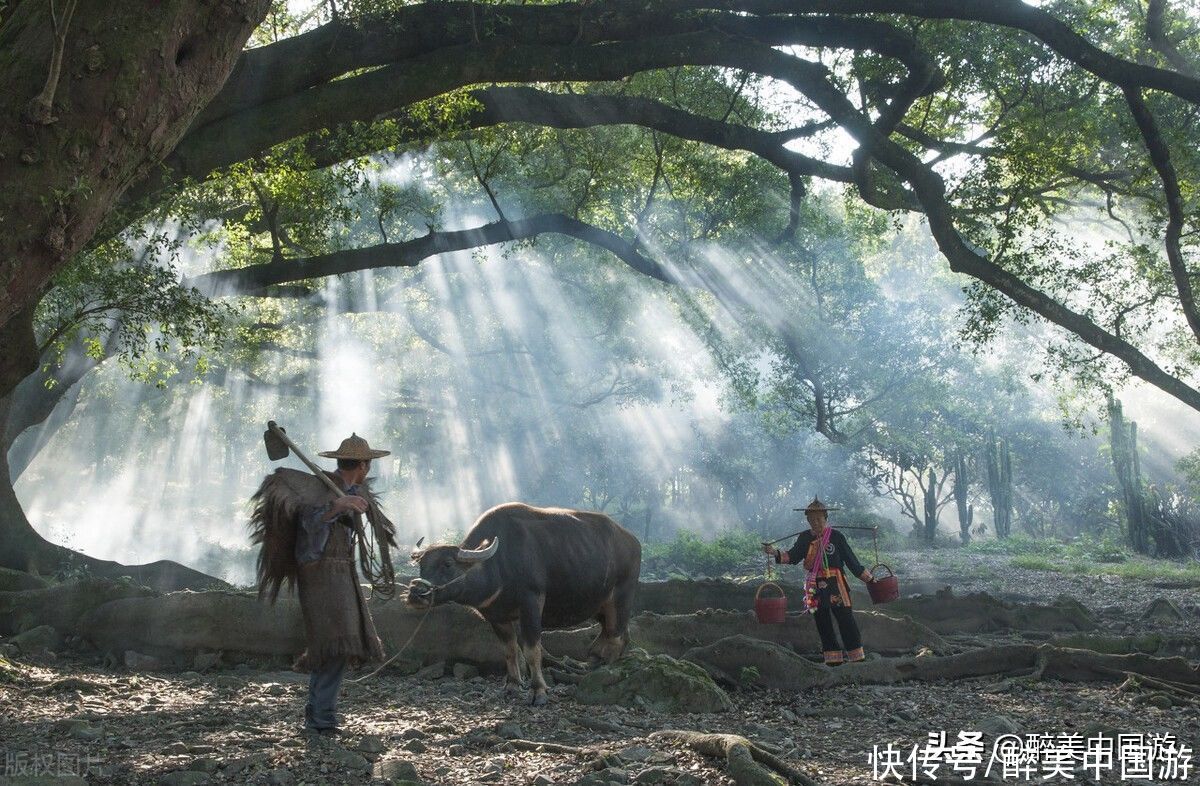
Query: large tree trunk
(43, 402)
(78, 125)
(133, 76)
(22, 548)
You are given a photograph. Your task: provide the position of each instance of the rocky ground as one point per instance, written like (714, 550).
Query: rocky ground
(69, 713)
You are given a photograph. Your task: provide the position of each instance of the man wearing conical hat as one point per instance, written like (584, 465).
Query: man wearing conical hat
(308, 536)
(826, 555)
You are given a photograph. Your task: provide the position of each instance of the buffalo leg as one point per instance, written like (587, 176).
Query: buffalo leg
(614, 629)
(622, 611)
(531, 643)
(512, 663)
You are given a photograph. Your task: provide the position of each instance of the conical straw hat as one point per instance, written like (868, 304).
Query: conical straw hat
(356, 448)
(816, 506)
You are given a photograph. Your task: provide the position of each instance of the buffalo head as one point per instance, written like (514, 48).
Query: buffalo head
(443, 567)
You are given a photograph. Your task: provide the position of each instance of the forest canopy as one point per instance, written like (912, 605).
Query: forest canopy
(900, 240)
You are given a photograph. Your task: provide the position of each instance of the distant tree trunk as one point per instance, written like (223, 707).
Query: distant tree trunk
(999, 472)
(931, 506)
(1123, 441)
(1150, 524)
(962, 485)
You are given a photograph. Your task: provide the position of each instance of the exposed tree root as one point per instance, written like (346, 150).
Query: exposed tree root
(68, 684)
(747, 763)
(1043, 662)
(565, 677)
(536, 746)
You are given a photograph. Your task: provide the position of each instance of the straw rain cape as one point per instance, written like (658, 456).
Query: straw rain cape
(337, 621)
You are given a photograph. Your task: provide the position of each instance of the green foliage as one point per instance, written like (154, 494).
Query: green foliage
(1034, 562)
(694, 555)
(1105, 549)
(133, 306)
(749, 675)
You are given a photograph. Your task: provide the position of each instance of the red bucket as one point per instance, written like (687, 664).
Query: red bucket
(770, 611)
(883, 589)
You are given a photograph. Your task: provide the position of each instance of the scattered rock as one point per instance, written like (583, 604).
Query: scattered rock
(136, 661)
(543, 780)
(79, 729)
(672, 775)
(510, 731)
(397, 770)
(657, 682)
(205, 764)
(636, 753)
(185, 778)
(415, 746)
(349, 759)
(997, 725)
(1163, 610)
(371, 743)
(241, 764)
(204, 661)
(434, 671)
(465, 671)
(281, 777)
(1161, 700)
(413, 733)
(228, 681)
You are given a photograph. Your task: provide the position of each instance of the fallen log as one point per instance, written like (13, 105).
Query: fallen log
(945, 612)
(1084, 666)
(680, 596)
(675, 634)
(17, 580)
(62, 606)
(233, 622)
(1044, 662)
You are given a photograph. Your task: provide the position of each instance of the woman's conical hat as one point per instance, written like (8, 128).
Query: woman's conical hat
(817, 506)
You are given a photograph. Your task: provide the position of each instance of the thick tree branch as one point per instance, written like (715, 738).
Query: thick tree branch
(1156, 32)
(1013, 14)
(814, 81)
(255, 278)
(1161, 158)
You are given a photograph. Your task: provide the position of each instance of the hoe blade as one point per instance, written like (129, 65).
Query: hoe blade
(276, 448)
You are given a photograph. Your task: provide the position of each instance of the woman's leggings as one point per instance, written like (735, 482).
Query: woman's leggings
(851, 638)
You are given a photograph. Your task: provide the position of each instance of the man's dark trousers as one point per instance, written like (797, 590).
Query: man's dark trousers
(323, 687)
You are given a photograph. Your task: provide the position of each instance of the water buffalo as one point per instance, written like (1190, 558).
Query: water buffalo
(541, 567)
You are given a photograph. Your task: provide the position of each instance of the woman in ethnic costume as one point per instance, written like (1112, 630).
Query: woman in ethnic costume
(826, 555)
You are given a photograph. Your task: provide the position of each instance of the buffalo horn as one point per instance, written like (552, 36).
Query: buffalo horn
(478, 555)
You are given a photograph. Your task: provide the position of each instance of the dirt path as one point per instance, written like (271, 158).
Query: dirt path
(241, 725)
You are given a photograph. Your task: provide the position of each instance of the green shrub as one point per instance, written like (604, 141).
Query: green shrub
(1036, 562)
(1106, 549)
(691, 554)
(1018, 545)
